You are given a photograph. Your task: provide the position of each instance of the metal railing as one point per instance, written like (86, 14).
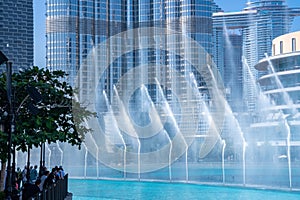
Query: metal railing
(57, 191)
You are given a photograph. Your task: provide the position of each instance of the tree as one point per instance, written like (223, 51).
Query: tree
(43, 106)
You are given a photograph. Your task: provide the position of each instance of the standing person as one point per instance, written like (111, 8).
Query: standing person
(61, 172)
(19, 176)
(43, 179)
(33, 174)
(51, 178)
(30, 190)
(24, 174)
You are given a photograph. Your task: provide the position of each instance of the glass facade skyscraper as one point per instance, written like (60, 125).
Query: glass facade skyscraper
(75, 27)
(16, 32)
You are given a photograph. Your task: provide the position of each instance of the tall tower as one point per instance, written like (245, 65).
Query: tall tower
(75, 27)
(16, 32)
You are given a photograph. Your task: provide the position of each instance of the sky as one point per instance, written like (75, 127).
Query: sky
(40, 27)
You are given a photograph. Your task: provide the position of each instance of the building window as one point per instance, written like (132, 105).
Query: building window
(281, 47)
(274, 49)
(293, 44)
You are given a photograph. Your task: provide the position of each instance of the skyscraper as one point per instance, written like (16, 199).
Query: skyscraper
(151, 55)
(259, 23)
(16, 32)
(75, 27)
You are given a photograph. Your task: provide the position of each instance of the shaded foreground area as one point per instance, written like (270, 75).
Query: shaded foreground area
(57, 191)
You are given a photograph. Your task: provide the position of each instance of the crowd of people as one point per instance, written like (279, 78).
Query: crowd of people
(29, 183)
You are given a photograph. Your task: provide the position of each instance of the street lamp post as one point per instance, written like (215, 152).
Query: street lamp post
(11, 130)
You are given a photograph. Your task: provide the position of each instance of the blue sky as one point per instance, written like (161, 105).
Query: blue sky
(39, 21)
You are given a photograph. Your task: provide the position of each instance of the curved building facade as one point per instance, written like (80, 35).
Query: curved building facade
(279, 117)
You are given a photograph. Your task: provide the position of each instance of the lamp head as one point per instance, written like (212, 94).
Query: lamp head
(3, 58)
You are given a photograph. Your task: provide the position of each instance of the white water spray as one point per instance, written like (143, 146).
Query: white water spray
(85, 160)
(61, 153)
(49, 155)
(165, 103)
(286, 96)
(223, 160)
(288, 141)
(229, 111)
(291, 105)
(119, 133)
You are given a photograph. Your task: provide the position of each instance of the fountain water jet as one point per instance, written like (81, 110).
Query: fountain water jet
(288, 141)
(227, 107)
(85, 159)
(294, 112)
(92, 139)
(236, 123)
(286, 96)
(172, 123)
(122, 138)
(223, 160)
(61, 153)
(124, 123)
(49, 155)
(165, 104)
(209, 119)
(112, 132)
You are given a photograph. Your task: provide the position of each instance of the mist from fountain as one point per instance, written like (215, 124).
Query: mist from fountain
(94, 143)
(288, 141)
(288, 101)
(61, 153)
(236, 124)
(124, 123)
(164, 104)
(113, 135)
(163, 112)
(264, 102)
(209, 120)
(264, 105)
(229, 53)
(286, 96)
(228, 109)
(121, 136)
(120, 124)
(85, 159)
(49, 155)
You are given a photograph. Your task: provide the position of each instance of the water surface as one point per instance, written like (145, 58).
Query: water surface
(125, 190)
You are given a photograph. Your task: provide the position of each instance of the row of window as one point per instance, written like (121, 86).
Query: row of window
(281, 47)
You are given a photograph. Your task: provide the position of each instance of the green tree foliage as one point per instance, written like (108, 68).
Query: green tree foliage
(48, 120)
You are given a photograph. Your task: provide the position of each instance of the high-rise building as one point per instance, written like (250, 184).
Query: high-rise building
(233, 76)
(259, 23)
(141, 53)
(75, 27)
(16, 32)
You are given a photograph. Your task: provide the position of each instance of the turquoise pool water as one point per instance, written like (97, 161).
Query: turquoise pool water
(106, 189)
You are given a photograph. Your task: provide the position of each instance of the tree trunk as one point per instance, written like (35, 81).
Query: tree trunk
(2, 176)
